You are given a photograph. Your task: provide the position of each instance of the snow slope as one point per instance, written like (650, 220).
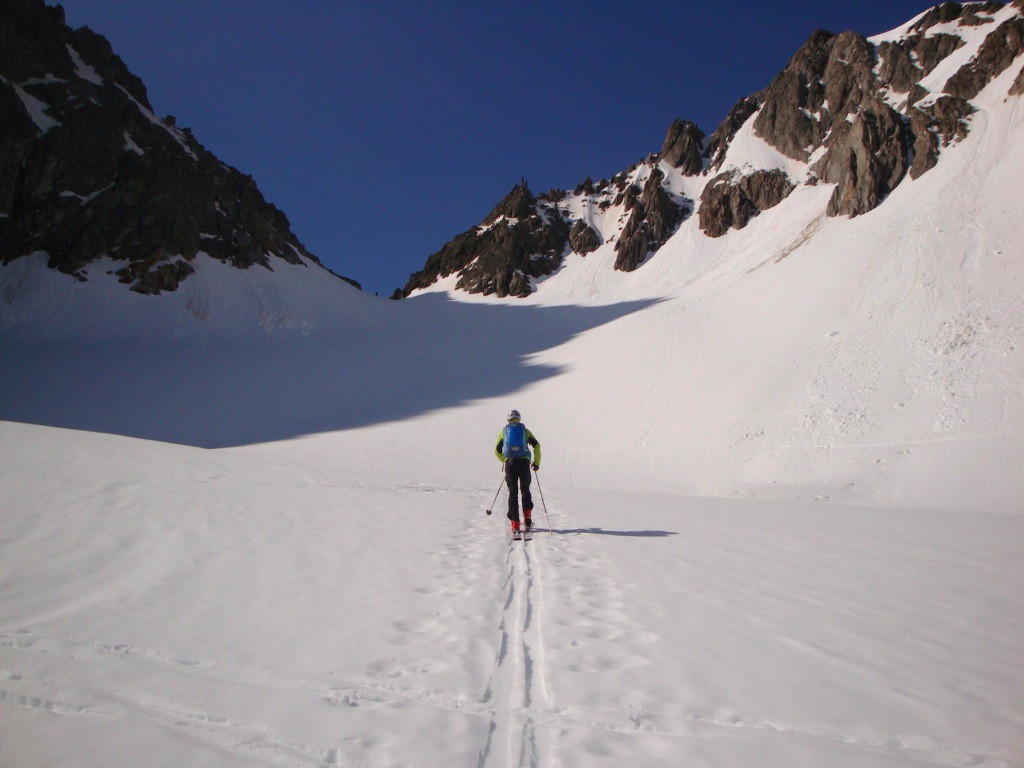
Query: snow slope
(870, 360)
(242, 523)
(168, 605)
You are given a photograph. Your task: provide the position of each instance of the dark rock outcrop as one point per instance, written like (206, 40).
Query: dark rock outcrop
(849, 77)
(730, 201)
(151, 279)
(787, 119)
(88, 171)
(897, 66)
(512, 245)
(583, 239)
(940, 14)
(934, 127)
(931, 51)
(828, 97)
(828, 78)
(684, 147)
(904, 62)
(824, 82)
(653, 219)
(517, 204)
(998, 51)
(866, 160)
(950, 11)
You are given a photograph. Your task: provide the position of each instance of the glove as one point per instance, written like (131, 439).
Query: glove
(536, 467)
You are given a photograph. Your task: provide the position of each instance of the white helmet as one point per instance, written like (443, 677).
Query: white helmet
(513, 415)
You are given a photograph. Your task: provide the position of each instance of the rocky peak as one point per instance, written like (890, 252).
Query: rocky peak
(856, 115)
(823, 83)
(684, 147)
(830, 97)
(517, 204)
(787, 118)
(849, 77)
(511, 246)
(89, 172)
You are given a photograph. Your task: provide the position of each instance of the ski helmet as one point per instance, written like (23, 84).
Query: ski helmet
(513, 415)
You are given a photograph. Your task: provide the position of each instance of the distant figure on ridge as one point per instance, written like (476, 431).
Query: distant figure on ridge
(513, 449)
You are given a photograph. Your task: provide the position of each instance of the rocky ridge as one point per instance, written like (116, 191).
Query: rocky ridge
(89, 172)
(520, 239)
(857, 113)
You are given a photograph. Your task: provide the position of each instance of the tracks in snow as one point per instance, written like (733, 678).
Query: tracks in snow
(517, 691)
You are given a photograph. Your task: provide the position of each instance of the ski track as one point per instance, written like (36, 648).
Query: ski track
(517, 691)
(522, 721)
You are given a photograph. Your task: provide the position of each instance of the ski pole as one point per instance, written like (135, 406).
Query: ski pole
(495, 496)
(543, 503)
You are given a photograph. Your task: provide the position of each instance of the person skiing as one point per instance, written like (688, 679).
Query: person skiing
(513, 449)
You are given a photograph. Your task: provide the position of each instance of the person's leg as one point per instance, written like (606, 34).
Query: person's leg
(524, 484)
(512, 480)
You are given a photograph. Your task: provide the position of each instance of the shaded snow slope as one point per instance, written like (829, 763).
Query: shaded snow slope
(38, 304)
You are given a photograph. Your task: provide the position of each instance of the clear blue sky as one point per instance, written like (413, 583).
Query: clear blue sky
(383, 129)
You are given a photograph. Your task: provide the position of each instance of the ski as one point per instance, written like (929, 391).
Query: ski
(517, 536)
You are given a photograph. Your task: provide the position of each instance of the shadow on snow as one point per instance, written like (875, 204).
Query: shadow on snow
(416, 356)
(603, 532)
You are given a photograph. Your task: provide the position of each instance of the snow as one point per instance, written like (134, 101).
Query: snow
(36, 109)
(507, 221)
(243, 523)
(82, 69)
(973, 37)
(175, 134)
(86, 199)
(749, 152)
(947, 28)
(286, 605)
(131, 146)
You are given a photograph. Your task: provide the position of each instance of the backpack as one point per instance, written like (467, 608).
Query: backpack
(514, 442)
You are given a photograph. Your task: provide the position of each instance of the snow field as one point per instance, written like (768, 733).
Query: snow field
(170, 605)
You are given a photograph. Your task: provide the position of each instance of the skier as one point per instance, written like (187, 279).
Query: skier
(513, 449)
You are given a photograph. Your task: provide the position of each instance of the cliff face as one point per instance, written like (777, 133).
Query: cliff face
(860, 114)
(88, 171)
(520, 239)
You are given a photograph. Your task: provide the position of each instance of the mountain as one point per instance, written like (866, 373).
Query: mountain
(769, 346)
(93, 180)
(861, 115)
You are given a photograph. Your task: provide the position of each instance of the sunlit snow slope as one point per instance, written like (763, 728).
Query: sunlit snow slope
(873, 359)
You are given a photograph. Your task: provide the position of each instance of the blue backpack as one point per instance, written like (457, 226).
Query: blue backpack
(514, 442)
